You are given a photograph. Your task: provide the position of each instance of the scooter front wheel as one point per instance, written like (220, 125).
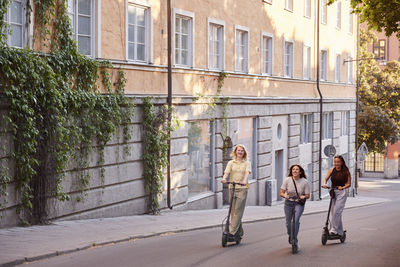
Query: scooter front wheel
(324, 238)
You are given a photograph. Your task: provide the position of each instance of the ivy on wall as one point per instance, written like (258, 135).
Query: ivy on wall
(155, 150)
(57, 114)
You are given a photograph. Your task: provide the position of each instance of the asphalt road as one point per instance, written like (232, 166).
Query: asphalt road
(373, 239)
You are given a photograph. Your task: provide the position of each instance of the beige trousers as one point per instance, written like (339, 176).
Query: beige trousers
(239, 203)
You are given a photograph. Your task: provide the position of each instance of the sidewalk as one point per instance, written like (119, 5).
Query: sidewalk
(20, 244)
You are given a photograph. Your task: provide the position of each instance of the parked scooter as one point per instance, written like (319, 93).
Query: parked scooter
(325, 232)
(226, 236)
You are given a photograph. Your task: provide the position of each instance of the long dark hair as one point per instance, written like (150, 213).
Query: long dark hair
(344, 166)
(302, 172)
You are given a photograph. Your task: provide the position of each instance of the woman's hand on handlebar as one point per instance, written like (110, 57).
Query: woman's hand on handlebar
(223, 181)
(324, 186)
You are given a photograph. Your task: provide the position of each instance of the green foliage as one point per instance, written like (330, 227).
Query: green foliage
(56, 114)
(220, 100)
(381, 15)
(379, 117)
(156, 133)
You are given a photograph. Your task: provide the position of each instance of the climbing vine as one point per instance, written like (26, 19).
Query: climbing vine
(57, 114)
(155, 151)
(218, 100)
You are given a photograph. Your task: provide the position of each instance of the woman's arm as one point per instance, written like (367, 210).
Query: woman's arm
(348, 183)
(327, 177)
(306, 196)
(283, 194)
(246, 175)
(224, 178)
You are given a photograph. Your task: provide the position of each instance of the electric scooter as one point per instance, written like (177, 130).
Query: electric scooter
(325, 232)
(226, 237)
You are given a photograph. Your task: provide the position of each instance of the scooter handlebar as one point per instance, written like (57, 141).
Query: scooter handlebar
(329, 187)
(234, 183)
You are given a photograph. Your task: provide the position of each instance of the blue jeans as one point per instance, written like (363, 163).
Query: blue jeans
(290, 207)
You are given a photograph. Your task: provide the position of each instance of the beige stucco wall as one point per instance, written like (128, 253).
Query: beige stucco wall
(259, 17)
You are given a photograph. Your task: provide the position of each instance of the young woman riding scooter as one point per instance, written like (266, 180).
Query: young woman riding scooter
(341, 179)
(238, 170)
(295, 190)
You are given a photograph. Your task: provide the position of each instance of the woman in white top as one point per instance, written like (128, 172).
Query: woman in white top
(288, 191)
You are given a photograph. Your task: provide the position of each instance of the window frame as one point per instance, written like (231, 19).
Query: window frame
(324, 12)
(247, 49)
(221, 23)
(307, 8)
(327, 125)
(270, 54)
(23, 25)
(350, 70)
(351, 22)
(338, 65)
(307, 130)
(284, 59)
(148, 58)
(289, 5)
(307, 73)
(378, 47)
(324, 67)
(338, 15)
(94, 29)
(190, 15)
(345, 123)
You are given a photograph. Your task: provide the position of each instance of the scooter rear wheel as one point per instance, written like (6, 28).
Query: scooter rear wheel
(324, 238)
(294, 249)
(224, 240)
(343, 238)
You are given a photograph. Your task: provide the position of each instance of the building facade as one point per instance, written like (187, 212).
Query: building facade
(269, 52)
(386, 165)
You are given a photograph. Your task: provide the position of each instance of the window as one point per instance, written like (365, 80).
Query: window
(289, 5)
(327, 125)
(323, 11)
(242, 49)
(338, 15)
(306, 129)
(337, 68)
(183, 38)
(306, 62)
(345, 123)
(199, 140)
(350, 70)
(245, 137)
(215, 45)
(379, 49)
(266, 54)
(138, 33)
(268, 1)
(307, 8)
(351, 21)
(288, 59)
(81, 14)
(15, 18)
(324, 65)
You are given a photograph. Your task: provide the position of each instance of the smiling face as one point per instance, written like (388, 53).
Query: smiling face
(337, 162)
(240, 152)
(296, 171)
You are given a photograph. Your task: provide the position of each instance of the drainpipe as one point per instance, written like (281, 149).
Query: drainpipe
(357, 108)
(320, 108)
(169, 101)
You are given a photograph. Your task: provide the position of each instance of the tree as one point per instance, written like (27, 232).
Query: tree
(379, 116)
(380, 15)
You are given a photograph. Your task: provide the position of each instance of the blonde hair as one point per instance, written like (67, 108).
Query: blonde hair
(233, 154)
